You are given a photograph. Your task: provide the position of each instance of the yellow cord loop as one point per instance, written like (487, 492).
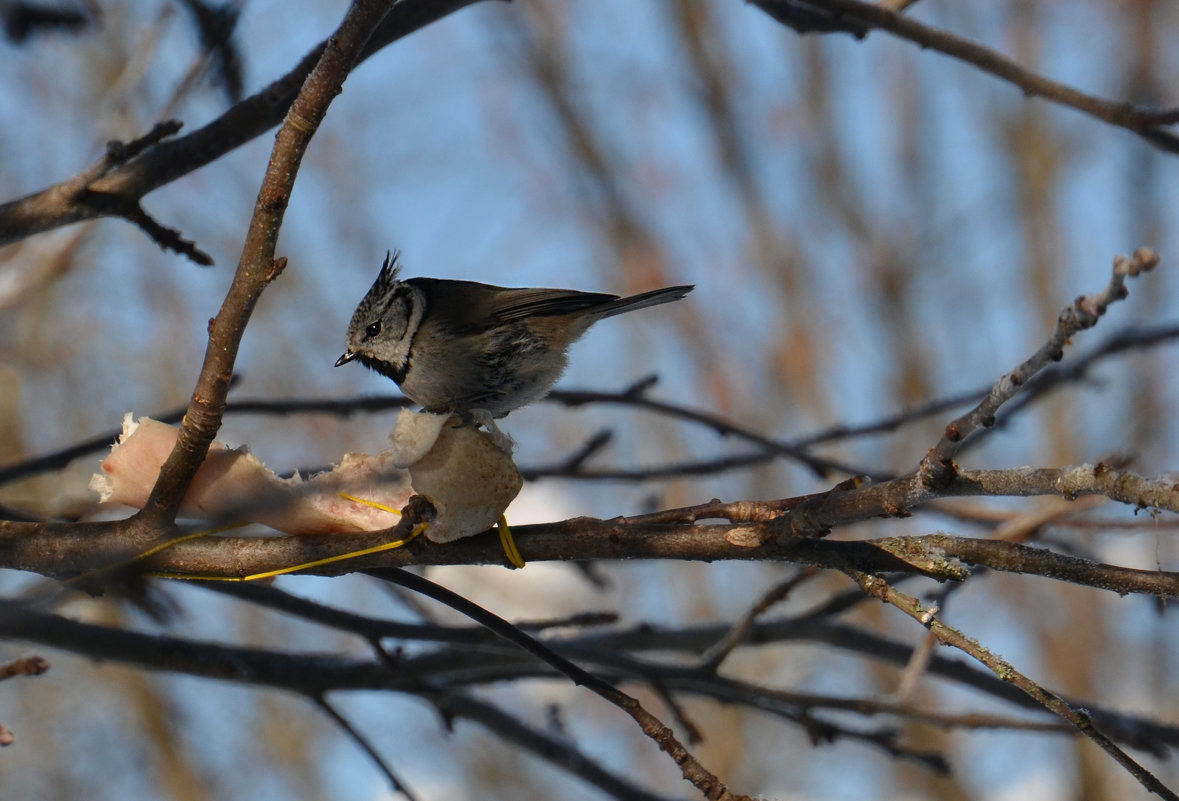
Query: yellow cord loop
(505, 537)
(509, 544)
(387, 546)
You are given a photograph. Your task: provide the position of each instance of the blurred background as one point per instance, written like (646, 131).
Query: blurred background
(869, 227)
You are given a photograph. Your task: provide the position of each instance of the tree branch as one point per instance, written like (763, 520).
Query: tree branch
(561, 754)
(859, 17)
(64, 550)
(948, 635)
(938, 468)
(573, 467)
(164, 162)
(257, 266)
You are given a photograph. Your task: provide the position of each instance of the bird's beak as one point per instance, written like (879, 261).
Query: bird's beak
(347, 357)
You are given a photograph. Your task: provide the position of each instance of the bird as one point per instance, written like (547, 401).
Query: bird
(460, 346)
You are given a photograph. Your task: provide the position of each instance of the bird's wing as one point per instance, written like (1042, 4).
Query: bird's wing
(469, 306)
(518, 304)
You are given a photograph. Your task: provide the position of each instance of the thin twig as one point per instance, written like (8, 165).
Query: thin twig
(937, 468)
(948, 635)
(820, 465)
(859, 17)
(397, 785)
(735, 636)
(664, 737)
(551, 749)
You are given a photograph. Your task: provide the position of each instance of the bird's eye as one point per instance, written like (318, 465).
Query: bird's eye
(372, 330)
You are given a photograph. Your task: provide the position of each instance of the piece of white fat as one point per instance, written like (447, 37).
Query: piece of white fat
(461, 471)
(235, 484)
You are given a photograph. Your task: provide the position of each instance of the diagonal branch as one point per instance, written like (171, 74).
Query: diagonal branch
(711, 786)
(257, 266)
(948, 635)
(937, 468)
(859, 17)
(397, 785)
(561, 754)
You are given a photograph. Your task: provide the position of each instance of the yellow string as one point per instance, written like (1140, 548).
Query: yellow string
(155, 549)
(509, 544)
(387, 546)
(196, 535)
(366, 502)
(507, 541)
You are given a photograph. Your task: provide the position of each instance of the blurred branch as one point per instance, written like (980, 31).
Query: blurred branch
(700, 641)
(573, 466)
(798, 708)
(22, 18)
(948, 635)
(395, 783)
(459, 664)
(705, 781)
(215, 25)
(858, 18)
(739, 633)
(804, 18)
(453, 705)
(164, 162)
(703, 467)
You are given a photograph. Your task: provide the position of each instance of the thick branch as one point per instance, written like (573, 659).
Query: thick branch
(897, 498)
(64, 550)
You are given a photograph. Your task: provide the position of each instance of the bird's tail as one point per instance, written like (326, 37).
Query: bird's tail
(643, 300)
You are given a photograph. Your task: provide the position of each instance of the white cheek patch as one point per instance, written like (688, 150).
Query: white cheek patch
(400, 348)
